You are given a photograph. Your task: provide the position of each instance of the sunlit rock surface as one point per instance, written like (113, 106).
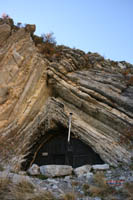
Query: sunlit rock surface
(37, 94)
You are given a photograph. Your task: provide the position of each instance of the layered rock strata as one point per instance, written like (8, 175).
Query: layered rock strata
(37, 94)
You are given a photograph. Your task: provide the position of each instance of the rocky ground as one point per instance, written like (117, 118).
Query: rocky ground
(110, 184)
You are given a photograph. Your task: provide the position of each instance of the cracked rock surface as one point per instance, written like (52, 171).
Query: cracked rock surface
(37, 94)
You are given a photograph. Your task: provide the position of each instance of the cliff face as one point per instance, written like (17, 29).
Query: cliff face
(37, 95)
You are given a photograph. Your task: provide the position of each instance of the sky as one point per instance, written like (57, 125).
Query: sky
(102, 26)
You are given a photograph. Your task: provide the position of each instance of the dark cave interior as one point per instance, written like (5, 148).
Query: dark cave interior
(53, 148)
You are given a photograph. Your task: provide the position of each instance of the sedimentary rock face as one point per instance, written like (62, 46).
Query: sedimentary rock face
(38, 92)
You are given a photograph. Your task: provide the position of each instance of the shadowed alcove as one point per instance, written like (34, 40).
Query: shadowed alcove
(53, 148)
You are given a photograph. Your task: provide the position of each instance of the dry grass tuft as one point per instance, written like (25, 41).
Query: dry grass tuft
(96, 191)
(101, 188)
(4, 187)
(129, 189)
(69, 196)
(75, 183)
(99, 179)
(44, 196)
(23, 190)
(86, 188)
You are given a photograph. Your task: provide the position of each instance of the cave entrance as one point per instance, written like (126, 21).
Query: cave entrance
(55, 150)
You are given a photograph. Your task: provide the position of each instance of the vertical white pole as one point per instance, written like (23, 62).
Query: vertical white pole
(69, 129)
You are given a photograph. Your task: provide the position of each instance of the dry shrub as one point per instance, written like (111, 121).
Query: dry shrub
(23, 187)
(101, 188)
(22, 190)
(75, 183)
(99, 179)
(48, 49)
(130, 81)
(49, 38)
(125, 72)
(4, 187)
(129, 189)
(96, 191)
(69, 196)
(37, 40)
(86, 188)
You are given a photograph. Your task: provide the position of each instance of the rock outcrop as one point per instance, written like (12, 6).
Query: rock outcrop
(37, 94)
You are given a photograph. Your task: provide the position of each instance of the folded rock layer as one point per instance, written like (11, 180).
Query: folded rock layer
(37, 94)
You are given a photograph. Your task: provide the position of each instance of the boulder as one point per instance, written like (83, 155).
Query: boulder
(34, 170)
(89, 176)
(81, 171)
(100, 167)
(56, 170)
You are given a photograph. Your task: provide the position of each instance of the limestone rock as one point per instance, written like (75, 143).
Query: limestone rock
(4, 92)
(56, 170)
(16, 178)
(89, 176)
(34, 170)
(80, 171)
(41, 93)
(100, 167)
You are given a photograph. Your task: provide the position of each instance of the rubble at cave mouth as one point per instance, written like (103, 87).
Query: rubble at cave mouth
(53, 148)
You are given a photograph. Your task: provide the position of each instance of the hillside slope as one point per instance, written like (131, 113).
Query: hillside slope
(38, 92)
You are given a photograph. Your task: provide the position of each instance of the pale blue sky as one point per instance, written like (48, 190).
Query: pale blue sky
(103, 26)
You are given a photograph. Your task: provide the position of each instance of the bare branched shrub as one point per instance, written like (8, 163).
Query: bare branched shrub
(49, 38)
(48, 46)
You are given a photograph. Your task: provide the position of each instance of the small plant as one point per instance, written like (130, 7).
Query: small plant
(101, 188)
(4, 187)
(47, 49)
(86, 188)
(125, 72)
(129, 188)
(1, 168)
(40, 176)
(37, 40)
(22, 190)
(130, 81)
(44, 196)
(25, 186)
(75, 183)
(69, 196)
